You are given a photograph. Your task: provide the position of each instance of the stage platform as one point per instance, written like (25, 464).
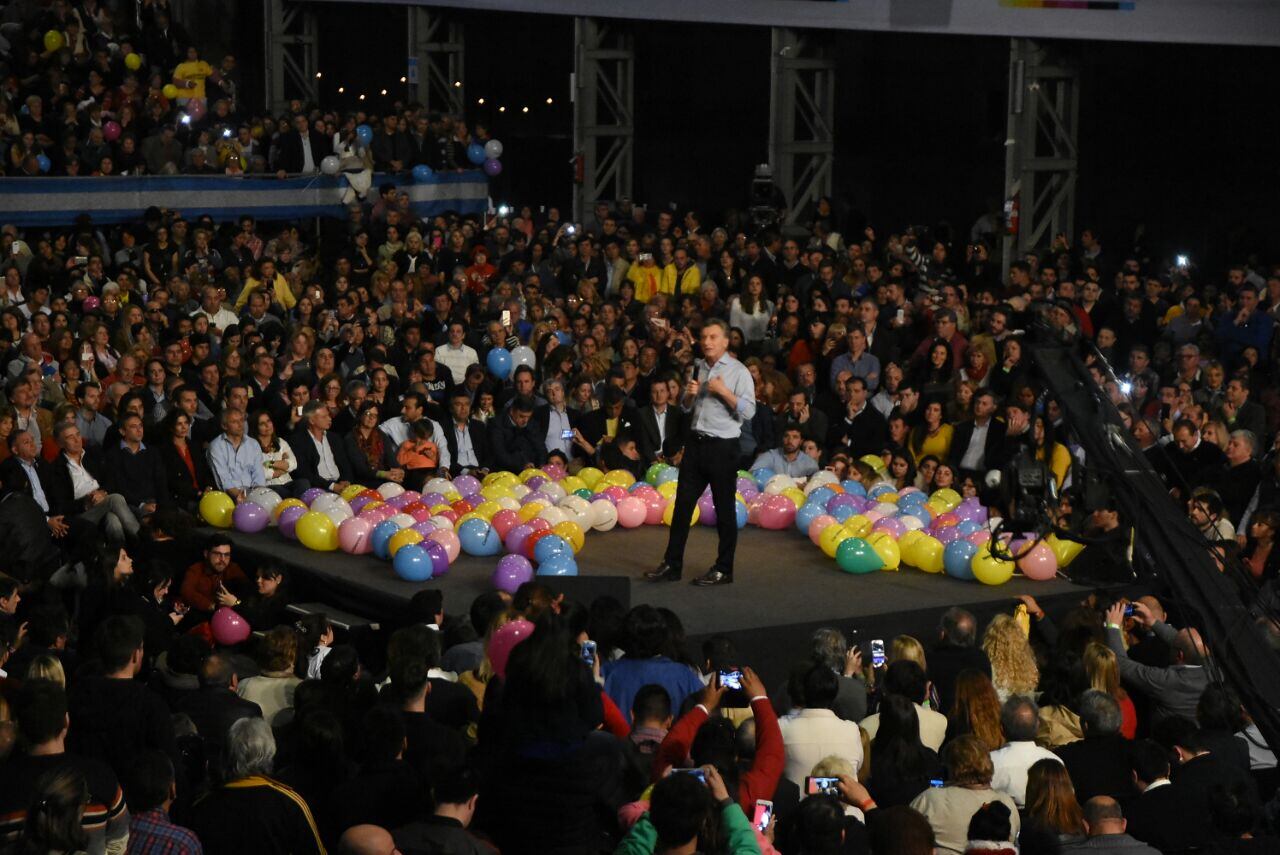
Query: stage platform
(784, 588)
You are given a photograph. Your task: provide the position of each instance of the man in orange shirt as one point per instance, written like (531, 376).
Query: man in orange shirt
(204, 587)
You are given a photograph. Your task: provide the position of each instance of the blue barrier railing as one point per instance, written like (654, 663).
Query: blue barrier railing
(58, 201)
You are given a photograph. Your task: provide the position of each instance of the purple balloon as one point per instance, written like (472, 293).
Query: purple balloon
(706, 509)
(536, 482)
(492, 167)
(400, 501)
(949, 533)
(357, 504)
(537, 496)
(512, 572)
(311, 495)
(439, 558)
(465, 484)
(250, 517)
(514, 541)
(744, 484)
(433, 499)
(288, 520)
(894, 527)
(424, 528)
(841, 500)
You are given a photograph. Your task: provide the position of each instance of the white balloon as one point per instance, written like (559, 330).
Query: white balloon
(887, 508)
(553, 491)
(520, 490)
(493, 150)
(508, 503)
(441, 522)
(437, 485)
(390, 490)
(325, 501)
(778, 483)
(603, 514)
(330, 165)
(338, 513)
(523, 355)
(403, 520)
(911, 523)
(821, 478)
(553, 515)
(266, 498)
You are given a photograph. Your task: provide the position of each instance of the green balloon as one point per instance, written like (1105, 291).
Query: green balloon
(855, 555)
(651, 474)
(583, 493)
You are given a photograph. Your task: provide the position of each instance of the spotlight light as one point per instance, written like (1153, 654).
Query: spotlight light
(457, 84)
(480, 101)
(404, 80)
(384, 92)
(341, 89)
(550, 100)
(524, 109)
(502, 109)
(361, 96)
(319, 74)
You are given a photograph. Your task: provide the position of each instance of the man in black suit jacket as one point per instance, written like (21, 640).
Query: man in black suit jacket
(957, 650)
(1164, 815)
(593, 429)
(466, 437)
(984, 408)
(1199, 770)
(216, 706)
(513, 438)
(659, 441)
(312, 436)
(861, 430)
(291, 159)
(1099, 763)
(809, 420)
(882, 341)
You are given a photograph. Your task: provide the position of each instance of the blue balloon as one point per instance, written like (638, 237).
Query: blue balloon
(44, 162)
(564, 337)
(807, 514)
(552, 544)
(820, 496)
(879, 490)
(381, 535)
(912, 500)
(957, 559)
(762, 475)
(667, 475)
(968, 527)
(412, 563)
(422, 173)
(364, 134)
(842, 512)
(854, 487)
(740, 510)
(560, 564)
(499, 362)
(920, 512)
(478, 538)
(475, 153)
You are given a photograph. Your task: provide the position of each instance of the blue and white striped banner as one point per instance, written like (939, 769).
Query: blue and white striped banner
(58, 201)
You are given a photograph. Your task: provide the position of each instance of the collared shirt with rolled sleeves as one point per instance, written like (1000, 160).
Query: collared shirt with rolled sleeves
(709, 413)
(557, 424)
(236, 468)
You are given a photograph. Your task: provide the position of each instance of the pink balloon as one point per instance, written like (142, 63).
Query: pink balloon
(1039, 564)
(111, 131)
(196, 108)
(506, 638)
(777, 513)
(654, 506)
(631, 512)
(90, 303)
(449, 540)
(819, 523)
(539, 524)
(228, 627)
(554, 470)
(616, 493)
(503, 521)
(872, 514)
(353, 535)
(420, 513)
(979, 538)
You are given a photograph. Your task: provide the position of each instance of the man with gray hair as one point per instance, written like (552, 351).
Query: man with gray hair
(955, 650)
(252, 812)
(1020, 719)
(828, 646)
(1099, 763)
(555, 419)
(1105, 824)
(1174, 689)
(1238, 482)
(322, 460)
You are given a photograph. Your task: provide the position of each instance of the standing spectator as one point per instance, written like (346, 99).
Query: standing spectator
(152, 790)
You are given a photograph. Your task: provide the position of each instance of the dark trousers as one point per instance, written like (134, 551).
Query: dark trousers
(714, 461)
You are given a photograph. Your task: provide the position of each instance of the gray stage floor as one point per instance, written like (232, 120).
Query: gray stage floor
(781, 578)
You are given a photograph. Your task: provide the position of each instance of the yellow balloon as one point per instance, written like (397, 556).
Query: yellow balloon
(435, 509)
(493, 492)
(529, 511)
(667, 490)
(891, 498)
(887, 548)
(217, 509)
(796, 495)
(572, 484)
(1064, 550)
(936, 507)
(990, 570)
(170, 91)
(317, 531)
(590, 476)
(54, 40)
(132, 61)
(857, 525)
(946, 497)
(403, 537)
(572, 533)
(619, 478)
(352, 490)
(485, 509)
(670, 509)
(926, 554)
(373, 504)
(830, 539)
(470, 515)
(531, 473)
(908, 538)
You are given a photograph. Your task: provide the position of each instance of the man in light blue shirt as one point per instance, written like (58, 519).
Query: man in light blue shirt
(789, 459)
(236, 461)
(720, 399)
(858, 361)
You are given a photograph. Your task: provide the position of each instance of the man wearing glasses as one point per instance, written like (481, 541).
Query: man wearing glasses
(205, 585)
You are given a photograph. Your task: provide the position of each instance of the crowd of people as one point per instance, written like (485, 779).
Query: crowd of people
(147, 364)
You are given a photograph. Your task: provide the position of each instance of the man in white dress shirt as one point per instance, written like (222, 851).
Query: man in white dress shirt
(412, 409)
(1020, 719)
(816, 732)
(456, 354)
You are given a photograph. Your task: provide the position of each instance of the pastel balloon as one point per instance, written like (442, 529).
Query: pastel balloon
(631, 512)
(890, 525)
(477, 537)
(412, 563)
(706, 509)
(909, 522)
(381, 537)
(949, 534)
(978, 538)
(288, 521)
(250, 517)
(551, 544)
(777, 513)
(820, 524)
(510, 575)
(439, 557)
(809, 512)
(354, 536)
(830, 539)
(572, 533)
(217, 509)
(990, 570)
(514, 541)
(228, 627)
(1039, 563)
(1064, 550)
(401, 539)
(926, 554)
(887, 548)
(561, 564)
(311, 495)
(503, 521)
(957, 560)
(604, 515)
(740, 514)
(909, 537)
(390, 490)
(507, 636)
